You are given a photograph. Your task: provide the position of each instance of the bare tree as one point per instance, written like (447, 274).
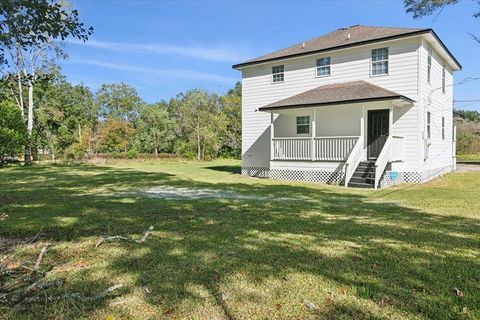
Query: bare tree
(30, 65)
(29, 31)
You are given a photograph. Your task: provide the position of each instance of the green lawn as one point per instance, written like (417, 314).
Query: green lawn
(468, 157)
(396, 253)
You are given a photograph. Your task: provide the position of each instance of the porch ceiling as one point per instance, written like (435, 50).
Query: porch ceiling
(340, 93)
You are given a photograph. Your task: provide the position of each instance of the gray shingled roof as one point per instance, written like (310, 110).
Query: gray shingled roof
(339, 93)
(339, 38)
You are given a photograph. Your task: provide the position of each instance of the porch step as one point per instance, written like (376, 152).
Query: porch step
(369, 180)
(360, 185)
(364, 175)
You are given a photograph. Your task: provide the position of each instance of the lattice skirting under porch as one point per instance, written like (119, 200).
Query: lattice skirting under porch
(302, 175)
(258, 172)
(412, 177)
(387, 180)
(338, 177)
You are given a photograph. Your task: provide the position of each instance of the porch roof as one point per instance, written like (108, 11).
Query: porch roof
(339, 93)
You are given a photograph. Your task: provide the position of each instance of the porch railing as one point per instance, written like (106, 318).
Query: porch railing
(314, 149)
(333, 148)
(292, 148)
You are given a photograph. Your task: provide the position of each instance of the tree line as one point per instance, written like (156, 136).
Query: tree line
(70, 121)
(468, 132)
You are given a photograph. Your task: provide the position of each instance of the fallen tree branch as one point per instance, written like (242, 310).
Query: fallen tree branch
(122, 238)
(36, 286)
(73, 296)
(146, 234)
(39, 258)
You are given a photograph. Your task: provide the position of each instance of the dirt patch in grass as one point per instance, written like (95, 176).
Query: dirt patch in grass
(182, 193)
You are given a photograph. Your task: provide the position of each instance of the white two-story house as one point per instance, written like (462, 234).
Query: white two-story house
(360, 106)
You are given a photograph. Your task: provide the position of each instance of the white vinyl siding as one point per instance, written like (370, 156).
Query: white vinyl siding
(379, 61)
(323, 67)
(429, 67)
(278, 74)
(443, 79)
(440, 105)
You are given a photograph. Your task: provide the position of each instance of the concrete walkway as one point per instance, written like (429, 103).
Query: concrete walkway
(462, 167)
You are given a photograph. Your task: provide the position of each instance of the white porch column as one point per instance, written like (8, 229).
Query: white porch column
(272, 131)
(314, 129)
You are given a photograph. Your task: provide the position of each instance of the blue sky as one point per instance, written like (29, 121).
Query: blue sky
(162, 48)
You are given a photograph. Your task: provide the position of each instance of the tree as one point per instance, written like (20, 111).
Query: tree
(470, 115)
(29, 30)
(422, 8)
(155, 129)
(13, 133)
(27, 23)
(63, 111)
(200, 122)
(231, 107)
(118, 101)
(114, 136)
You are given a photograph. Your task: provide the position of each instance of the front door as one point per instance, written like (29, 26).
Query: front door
(377, 132)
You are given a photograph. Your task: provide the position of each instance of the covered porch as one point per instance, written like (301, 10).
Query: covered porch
(337, 127)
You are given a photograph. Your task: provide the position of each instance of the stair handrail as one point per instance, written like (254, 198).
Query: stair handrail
(353, 159)
(382, 160)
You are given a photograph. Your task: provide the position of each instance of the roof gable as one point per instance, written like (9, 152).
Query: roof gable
(341, 38)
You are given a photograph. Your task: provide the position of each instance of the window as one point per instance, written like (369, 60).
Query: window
(429, 66)
(323, 67)
(379, 61)
(443, 128)
(443, 79)
(277, 74)
(428, 124)
(303, 125)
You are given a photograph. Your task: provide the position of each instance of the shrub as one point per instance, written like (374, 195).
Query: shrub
(132, 154)
(13, 132)
(74, 152)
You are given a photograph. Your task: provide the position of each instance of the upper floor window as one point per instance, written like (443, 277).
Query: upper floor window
(277, 74)
(379, 61)
(429, 66)
(443, 79)
(323, 67)
(443, 128)
(429, 119)
(303, 124)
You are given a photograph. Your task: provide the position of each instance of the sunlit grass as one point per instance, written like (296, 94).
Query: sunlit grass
(395, 253)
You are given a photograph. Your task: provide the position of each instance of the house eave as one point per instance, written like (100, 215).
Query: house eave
(404, 99)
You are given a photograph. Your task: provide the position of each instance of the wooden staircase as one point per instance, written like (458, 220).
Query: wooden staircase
(364, 175)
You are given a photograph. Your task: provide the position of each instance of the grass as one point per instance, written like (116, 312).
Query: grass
(468, 157)
(396, 253)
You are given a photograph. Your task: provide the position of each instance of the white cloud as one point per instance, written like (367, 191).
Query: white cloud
(171, 73)
(217, 54)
